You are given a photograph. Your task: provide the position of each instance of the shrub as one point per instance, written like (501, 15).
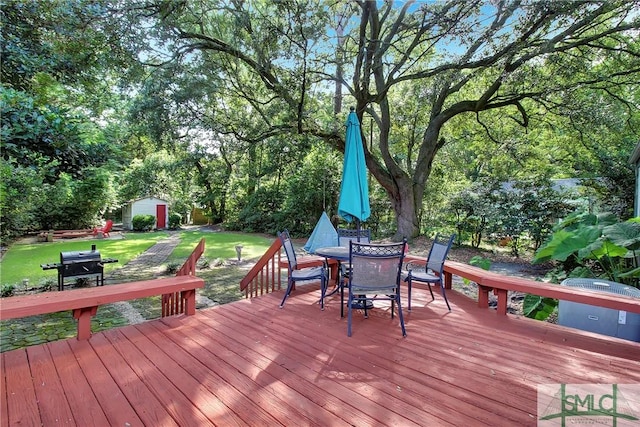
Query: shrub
(173, 267)
(597, 246)
(47, 285)
(82, 282)
(175, 219)
(7, 290)
(143, 222)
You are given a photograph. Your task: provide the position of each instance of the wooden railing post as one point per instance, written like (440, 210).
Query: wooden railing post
(265, 276)
(176, 302)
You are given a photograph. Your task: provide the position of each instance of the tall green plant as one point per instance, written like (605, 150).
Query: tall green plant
(588, 245)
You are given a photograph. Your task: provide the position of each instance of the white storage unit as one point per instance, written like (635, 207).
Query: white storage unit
(606, 321)
(146, 206)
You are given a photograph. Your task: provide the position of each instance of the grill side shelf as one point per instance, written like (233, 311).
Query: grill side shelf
(53, 266)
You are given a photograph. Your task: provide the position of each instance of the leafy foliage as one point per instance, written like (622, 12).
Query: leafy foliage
(528, 211)
(524, 212)
(20, 189)
(473, 209)
(175, 219)
(478, 261)
(143, 222)
(46, 136)
(588, 245)
(537, 307)
(7, 290)
(515, 65)
(238, 96)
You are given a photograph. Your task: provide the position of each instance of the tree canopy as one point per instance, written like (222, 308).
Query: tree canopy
(240, 99)
(501, 67)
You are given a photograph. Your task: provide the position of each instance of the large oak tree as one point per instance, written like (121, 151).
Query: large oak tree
(288, 66)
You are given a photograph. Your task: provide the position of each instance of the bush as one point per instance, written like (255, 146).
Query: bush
(82, 282)
(47, 285)
(173, 267)
(175, 219)
(143, 222)
(597, 246)
(7, 290)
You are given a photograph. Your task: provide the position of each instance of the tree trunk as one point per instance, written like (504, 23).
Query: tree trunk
(404, 193)
(406, 211)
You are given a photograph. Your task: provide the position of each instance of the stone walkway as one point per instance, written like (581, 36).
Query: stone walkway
(149, 263)
(139, 268)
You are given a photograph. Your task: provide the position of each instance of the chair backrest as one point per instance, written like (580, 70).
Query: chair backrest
(107, 226)
(285, 239)
(376, 265)
(347, 235)
(438, 253)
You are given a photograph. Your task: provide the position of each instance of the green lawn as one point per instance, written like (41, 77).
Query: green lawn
(221, 245)
(22, 261)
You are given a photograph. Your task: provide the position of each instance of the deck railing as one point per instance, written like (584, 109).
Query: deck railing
(265, 276)
(500, 285)
(173, 303)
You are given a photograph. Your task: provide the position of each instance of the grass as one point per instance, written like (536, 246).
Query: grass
(22, 261)
(219, 245)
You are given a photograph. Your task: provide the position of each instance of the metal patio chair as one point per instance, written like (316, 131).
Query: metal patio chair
(296, 275)
(432, 272)
(345, 236)
(375, 275)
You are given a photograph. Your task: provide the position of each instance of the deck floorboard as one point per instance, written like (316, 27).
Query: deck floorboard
(251, 363)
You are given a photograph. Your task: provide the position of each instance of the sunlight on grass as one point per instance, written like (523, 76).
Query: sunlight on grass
(221, 245)
(22, 261)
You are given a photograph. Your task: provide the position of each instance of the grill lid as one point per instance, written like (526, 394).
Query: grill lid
(80, 256)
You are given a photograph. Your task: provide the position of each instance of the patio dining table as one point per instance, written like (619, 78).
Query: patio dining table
(340, 254)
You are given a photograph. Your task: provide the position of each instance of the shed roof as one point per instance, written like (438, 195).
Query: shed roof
(147, 197)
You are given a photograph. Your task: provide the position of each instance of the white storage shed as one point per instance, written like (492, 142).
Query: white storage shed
(146, 206)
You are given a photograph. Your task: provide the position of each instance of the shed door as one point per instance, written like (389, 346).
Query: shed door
(161, 216)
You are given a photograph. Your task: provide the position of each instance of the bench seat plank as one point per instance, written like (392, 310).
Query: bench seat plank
(85, 302)
(52, 302)
(551, 290)
(500, 284)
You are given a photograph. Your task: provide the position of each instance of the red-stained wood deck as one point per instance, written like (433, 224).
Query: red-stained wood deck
(250, 363)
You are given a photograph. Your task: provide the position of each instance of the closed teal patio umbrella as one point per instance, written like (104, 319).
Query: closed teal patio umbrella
(353, 204)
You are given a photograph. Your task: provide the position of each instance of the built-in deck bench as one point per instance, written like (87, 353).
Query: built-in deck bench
(500, 285)
(84, 302)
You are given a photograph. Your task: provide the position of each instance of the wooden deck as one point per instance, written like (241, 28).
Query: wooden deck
(250, 363)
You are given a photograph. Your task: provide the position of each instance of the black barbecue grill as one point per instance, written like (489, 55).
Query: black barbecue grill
(78, 265)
